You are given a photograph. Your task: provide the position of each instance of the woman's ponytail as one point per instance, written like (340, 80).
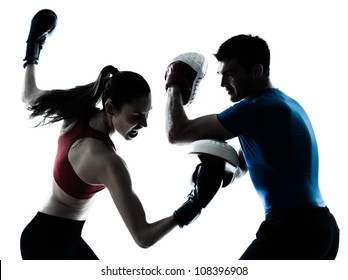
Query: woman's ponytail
(79, 103)
(101, 83)
(72, 104)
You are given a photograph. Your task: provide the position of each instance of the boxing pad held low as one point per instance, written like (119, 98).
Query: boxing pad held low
(216, 151)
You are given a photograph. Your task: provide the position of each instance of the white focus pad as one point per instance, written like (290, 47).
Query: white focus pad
(216, 148)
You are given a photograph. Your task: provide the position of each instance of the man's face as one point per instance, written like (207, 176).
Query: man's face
(235, 79)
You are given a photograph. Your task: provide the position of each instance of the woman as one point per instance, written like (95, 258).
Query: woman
(87, 161)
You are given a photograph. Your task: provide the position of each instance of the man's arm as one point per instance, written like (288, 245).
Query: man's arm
(181, 130)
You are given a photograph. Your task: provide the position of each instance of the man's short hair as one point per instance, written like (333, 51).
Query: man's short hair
(249, 50)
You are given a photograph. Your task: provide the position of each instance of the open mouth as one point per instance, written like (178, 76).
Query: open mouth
(133, 133)
(231, 91)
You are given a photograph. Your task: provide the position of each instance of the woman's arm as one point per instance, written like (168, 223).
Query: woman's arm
(118, 181)
(30, 90)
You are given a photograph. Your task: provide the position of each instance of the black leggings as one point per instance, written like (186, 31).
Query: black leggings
(48, 237)
(297, 234)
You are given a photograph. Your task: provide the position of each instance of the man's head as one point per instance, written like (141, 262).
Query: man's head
(244, 63)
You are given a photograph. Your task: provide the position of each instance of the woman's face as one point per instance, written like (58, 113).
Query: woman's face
(132, 117)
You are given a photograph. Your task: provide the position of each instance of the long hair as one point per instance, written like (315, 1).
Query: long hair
(79, 103)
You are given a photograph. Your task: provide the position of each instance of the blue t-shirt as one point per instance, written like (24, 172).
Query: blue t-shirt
(280, 149)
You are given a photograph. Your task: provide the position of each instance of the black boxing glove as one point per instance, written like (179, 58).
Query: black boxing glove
(42, 24)
(207, 180)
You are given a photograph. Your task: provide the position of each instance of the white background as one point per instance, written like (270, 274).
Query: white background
(308, 43)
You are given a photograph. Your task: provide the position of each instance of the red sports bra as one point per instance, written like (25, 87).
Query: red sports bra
(63, 172)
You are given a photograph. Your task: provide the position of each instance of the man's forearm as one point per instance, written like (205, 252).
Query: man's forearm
(175, 114)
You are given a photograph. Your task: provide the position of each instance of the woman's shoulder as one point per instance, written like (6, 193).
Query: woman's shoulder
(98, 161)
(110, 166)
(100, 152)
(67, 126)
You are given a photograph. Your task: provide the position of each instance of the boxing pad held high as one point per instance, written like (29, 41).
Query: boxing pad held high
(186, 71)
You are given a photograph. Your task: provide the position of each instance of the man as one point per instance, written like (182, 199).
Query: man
(277, 142)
